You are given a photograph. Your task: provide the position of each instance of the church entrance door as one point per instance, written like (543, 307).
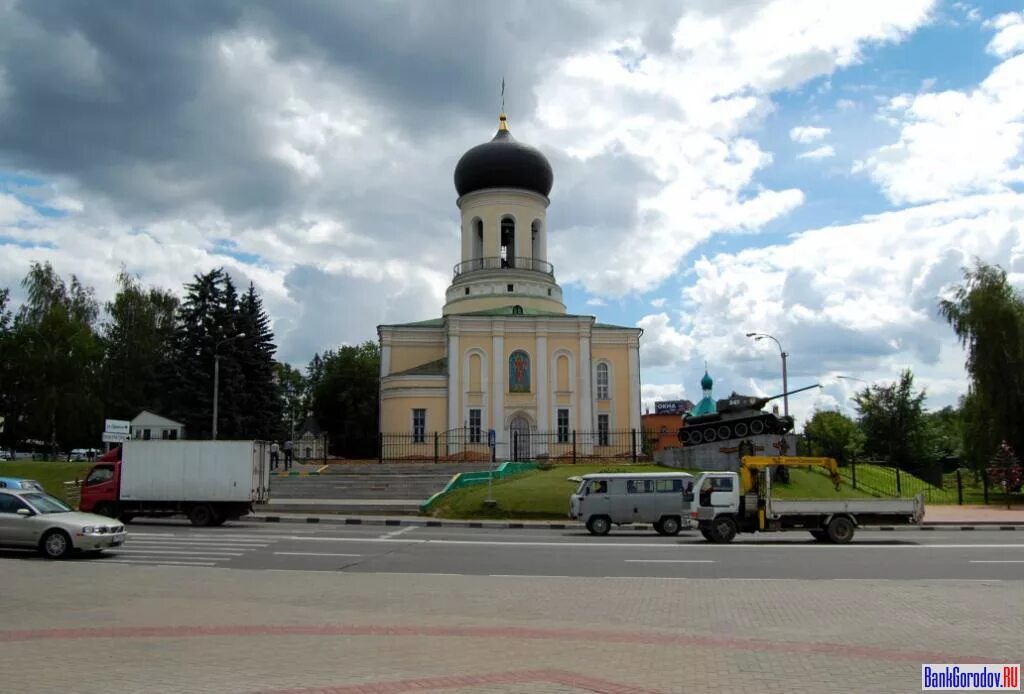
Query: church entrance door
(519, 435)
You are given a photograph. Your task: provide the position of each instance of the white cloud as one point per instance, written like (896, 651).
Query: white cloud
(659, 302)
(954, 142)
(699, 99)
(858, 299)
(846, 104)
(823, 152)
(1009, 37)
(806, 134)
(663, 345)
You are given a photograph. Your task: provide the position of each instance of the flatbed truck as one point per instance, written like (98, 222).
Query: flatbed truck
(729, 503)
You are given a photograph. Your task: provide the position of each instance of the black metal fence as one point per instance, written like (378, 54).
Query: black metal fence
(472, 445)
(961, 486)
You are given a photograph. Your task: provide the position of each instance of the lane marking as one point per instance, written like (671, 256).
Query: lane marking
(315, 554)
(997, 561)
(158, 562)
(528, 576)
(398, 532)
(155, 552)
(669, 561)
(196, 545)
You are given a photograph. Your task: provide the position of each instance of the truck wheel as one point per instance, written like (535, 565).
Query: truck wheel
(819, 535)
(657, 527)
(840, 530)
(55, 544)
(202, 515)
(706, 533)
(126, 517)
(723, 530)
(105, 509)
(670, 525)
(599, 525)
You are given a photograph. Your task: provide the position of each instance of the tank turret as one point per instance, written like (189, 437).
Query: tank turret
(737, 416)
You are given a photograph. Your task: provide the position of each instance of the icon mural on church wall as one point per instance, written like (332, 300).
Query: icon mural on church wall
(519, 372)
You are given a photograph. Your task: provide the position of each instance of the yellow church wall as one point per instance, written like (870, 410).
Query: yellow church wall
(618, 405)
(487, 302)
(405, 356)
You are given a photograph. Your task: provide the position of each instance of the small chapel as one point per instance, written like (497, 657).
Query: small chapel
(505, 356)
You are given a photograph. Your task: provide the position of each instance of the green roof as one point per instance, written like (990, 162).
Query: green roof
(438, 367)
(429, 323)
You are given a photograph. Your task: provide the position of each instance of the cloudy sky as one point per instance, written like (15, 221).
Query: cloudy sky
(816, 170)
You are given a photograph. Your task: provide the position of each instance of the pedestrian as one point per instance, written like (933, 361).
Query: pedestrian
(288, 455)
(273, 455)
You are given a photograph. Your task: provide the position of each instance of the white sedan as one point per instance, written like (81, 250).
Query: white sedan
(32, 519)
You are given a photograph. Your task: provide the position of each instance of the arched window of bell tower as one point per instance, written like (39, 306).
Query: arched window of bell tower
(508, 242)
(478, 238)
(535, 250)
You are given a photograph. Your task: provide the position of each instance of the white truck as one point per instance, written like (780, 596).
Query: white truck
(729, 503)
(207, 481)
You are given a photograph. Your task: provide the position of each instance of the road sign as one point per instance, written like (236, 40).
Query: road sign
(114, 437)
(117, 426)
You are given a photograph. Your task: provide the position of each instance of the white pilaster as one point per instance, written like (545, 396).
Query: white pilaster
(498, 389)
(540, 366)
(385, 360)
(583, 370)
(454, 406)
(635, 422)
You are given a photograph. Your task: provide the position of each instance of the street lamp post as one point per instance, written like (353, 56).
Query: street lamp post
(785, 381)
(216, 377)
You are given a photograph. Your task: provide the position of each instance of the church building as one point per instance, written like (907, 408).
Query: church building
(505, 356)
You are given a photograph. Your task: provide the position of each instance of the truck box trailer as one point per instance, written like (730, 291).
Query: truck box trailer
(208, 481)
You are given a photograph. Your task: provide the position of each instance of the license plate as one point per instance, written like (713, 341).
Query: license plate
(117, 543)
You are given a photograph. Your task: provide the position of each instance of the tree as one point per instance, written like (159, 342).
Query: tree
(56, 354)
(943, 433)
(834, 435)
(139, 346)
(892, 420)
(987, 315)
(346, 399)
(295, 401)
(259, 400)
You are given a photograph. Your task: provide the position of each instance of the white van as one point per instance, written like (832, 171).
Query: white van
(662, 499)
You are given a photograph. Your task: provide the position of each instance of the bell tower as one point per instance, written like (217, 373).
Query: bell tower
(503, 188)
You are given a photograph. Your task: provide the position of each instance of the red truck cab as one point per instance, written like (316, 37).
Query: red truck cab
(100, 489)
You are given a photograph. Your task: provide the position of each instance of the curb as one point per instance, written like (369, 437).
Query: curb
(569, 525)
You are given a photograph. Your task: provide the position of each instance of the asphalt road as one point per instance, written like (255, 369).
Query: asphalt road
(559, 554)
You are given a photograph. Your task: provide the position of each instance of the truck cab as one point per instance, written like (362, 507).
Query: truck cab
(100, 488)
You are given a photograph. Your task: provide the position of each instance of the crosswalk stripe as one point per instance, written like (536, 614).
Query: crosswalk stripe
(171, 551)
(159, 562)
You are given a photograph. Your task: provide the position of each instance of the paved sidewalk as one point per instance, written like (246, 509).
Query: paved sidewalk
(140, 629)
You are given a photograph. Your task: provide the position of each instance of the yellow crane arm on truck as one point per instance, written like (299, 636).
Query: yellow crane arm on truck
(749, 463)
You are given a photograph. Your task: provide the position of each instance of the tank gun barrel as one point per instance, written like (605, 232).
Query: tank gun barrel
(791, 392)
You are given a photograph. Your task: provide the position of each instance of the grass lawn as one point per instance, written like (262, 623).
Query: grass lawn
(536, 495)
(811, 484)
(51, 475)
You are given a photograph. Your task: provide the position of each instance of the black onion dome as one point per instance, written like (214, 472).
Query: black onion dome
(503, 163)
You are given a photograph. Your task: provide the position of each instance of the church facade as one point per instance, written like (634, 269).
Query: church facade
(505, 356)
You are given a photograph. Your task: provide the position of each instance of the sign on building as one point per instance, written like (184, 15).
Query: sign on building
(672, 406)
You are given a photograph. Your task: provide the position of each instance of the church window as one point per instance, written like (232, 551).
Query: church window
(602, 381)
(562, 371)
(419, 425)
(508, 242)
(517, 310)
(511, 287)
(519, 372)
(602, 430)
(475, 372)
(474, 426)
(467, 291)
(562, 419)
(549, 292)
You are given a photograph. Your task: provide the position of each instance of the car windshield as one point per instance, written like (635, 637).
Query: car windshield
(44, 503)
